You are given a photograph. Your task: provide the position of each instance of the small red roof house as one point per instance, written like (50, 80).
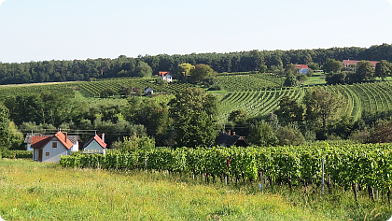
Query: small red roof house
(95, 145)
(166, 76)
(303, 68)
(348, 63)
(50, 148)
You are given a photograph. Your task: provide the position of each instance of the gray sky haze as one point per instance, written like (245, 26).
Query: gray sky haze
(80, 29)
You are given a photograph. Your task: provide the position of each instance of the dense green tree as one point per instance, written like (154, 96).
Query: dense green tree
(383, 69)
(185, 70)
(321, 107)
(290, 81)
(365, 71)
(194, 114)
(289, 111)
(143, 70)
(262, 134)
(289, 135)
(201, 73)
(332, 65)
(5, 134)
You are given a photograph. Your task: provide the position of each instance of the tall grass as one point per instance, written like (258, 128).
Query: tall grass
(36, 191)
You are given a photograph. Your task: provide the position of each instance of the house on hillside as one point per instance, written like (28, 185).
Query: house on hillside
(166, 76)
(73, 138)
(50, 148)
(95, 145)
(227, 140)
(348, 63)
(148, 91)
(303, 68)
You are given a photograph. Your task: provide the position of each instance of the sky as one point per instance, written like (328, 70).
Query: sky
(80, 29)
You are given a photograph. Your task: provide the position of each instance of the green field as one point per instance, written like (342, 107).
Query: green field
(36, 191)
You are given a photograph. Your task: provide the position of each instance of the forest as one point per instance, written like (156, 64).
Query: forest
(147, 65)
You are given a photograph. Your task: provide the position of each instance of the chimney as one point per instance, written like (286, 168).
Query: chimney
(103, 137)
(229, 132)
(66, 135)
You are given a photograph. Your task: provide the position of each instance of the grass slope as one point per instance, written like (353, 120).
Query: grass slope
(35, 191)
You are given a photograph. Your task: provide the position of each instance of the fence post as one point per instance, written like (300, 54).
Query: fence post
(322, 177)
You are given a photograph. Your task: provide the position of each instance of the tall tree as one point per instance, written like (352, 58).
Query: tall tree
(332, 65)
(365, 71)
(200, 73)
(194, 114)
(383, 69)
(184, 70)
(5, 139)
(321, 107)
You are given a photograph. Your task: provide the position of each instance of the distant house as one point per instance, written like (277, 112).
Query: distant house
(95, 145)
(50, 148)
(148, 91)
(303, 68)
(73, 138)
(228, 140)
(166, 76)
(348, 63)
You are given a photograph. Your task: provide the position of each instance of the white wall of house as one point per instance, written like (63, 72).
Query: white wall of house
(75, 147)
(54, 153)
(35, 154)
(94, 147)
(29, 147)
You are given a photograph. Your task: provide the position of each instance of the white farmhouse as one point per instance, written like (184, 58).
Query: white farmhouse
(50, 148)
(95, 145)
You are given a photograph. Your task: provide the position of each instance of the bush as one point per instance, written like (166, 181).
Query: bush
(134, 143)
(17, 154)
(289, 136)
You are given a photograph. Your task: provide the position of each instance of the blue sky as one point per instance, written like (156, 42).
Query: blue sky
(80, 29)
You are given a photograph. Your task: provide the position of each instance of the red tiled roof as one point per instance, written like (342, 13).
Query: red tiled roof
(347, 63)
(99, 141)
(302, 66)
(64, 140)
(41, 141)
(163, 73)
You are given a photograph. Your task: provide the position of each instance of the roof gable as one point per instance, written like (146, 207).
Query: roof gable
(163, 73)
(99, 141)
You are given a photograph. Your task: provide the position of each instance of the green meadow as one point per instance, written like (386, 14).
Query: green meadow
(37, 191)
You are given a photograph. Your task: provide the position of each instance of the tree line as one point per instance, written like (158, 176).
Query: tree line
(145, 66)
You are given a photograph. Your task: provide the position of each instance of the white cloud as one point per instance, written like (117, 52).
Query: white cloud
(1, 1)
(390, 1)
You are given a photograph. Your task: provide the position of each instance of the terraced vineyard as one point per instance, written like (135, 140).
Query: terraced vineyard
(356, 98)
(255, 102)
(95, 88)
(14, 90)
(248, 82)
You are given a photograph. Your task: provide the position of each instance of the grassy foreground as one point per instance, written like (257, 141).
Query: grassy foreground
(36, 191)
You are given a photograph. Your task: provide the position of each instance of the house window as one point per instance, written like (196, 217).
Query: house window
(54, 144)
(47, 153)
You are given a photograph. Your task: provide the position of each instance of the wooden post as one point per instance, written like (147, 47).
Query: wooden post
(322, 177)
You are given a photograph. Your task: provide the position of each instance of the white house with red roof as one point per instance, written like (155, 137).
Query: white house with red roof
(95, 145)
(166, 76)
(50, 148)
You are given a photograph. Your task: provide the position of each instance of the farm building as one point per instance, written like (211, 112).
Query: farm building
(348, 63)
(95, 145)
(228, 140)
(166, 76)
(73, 138)
(303, 68)
(50, 148)
(148, 91)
